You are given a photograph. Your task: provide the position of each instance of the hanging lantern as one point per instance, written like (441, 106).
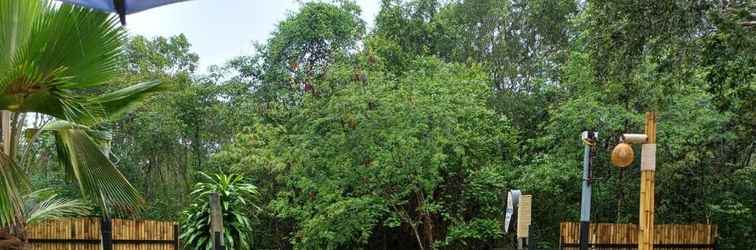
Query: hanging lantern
(622, 155)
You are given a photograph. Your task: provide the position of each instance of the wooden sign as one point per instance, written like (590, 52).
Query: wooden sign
(523, 215)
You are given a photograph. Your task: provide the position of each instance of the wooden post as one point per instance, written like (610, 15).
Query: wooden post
(216, 222)
(106, 233)
(176, 236)
(648, 173)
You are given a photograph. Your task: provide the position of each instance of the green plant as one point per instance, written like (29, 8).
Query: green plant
(236, 199)
(58, 60)
(44, 205)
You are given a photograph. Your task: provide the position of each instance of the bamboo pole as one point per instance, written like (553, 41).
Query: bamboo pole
(648, 174)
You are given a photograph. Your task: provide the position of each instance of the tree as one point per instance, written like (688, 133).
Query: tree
(520, 44)
(49, 74)
(162, 143)
(729, 70)
(169, 139)
(414, 162)
(301, 50)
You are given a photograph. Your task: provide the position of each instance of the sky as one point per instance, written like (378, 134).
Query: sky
(222, 29)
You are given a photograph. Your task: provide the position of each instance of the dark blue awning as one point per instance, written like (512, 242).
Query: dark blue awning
(121, 7)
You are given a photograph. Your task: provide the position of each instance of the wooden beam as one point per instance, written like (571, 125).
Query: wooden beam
(647, 189)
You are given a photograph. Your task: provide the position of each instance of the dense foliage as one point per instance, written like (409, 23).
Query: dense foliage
(394, 155)
(408, 135)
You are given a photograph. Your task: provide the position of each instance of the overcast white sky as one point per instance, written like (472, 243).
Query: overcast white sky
(222, 29)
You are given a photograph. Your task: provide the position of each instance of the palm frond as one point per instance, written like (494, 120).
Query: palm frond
(13, 182)
(87, 165)
(83, 44)
(16, 22)
(53, 58)
(72, 50)
(100, 137)
(119, 102)
(44, 205)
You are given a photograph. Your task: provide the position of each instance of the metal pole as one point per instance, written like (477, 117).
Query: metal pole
(589, 138)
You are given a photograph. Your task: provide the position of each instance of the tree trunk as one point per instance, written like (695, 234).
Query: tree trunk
(426, 219)
(412, 223)
(13, 238)
(417, 235)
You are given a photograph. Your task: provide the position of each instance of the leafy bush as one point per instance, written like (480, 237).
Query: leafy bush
(236, 199)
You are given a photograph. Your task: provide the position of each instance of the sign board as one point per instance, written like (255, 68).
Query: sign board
(510, 218)
(523, 215)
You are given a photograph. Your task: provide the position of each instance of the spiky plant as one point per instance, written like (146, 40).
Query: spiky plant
(237, 199)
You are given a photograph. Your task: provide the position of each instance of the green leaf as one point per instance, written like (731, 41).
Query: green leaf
(119, 102)
(13, 182)
(40, 207)
(97, 177)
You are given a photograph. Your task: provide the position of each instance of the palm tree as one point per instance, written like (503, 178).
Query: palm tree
(56, 60)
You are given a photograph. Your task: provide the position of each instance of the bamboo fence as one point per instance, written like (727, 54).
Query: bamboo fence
(689, 236)
(86, 234)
